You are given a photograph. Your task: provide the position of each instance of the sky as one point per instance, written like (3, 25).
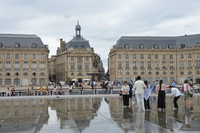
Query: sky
(102, 22)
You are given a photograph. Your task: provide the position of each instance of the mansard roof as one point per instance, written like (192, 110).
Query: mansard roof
(21, 40)
(77, 42)
(163, 42)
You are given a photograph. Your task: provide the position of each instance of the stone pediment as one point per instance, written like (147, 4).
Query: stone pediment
(80, 50)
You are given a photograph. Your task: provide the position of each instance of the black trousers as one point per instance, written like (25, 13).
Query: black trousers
(161, 100)
(175, 101)
(146, 104)
(126, 100)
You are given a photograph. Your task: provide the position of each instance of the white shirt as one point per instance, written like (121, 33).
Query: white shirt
(175, 92)
(139, 87)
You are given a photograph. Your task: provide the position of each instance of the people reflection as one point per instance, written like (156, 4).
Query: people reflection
(140, 122)
(125, 93)
(188, 114)
(176, 123)
(148, 126)
(127, 119)
(162, 121)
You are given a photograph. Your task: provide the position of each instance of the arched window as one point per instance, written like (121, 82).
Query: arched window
(1, 44)
(171, 56)
(181, 56)
(149, 73)
(7, 74)
(34, 45)
(142, 73)
(170, 46)
(182, 73)
(17, 45)
(156, 56)
(75, 47)
(189, 72)
(16, 74)
(127, 73)
(141, 56)
(141, 46)
(42, 74)
(135, 73)
(198, 44)
(72, 74)
(155, 46)
(157, 73)
(182, 45)
(126, 46)
(82, 46)
(34, 74)
(127, 56)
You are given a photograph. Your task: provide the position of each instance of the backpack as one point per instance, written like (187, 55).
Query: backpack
(182, 88)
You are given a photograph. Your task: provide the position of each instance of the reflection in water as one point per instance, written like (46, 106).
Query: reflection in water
(75, 115)
(188, 114)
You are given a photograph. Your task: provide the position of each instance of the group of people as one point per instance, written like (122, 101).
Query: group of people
(142, 92)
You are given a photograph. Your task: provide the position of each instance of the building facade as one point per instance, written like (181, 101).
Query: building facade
(23, 60)
(155, 58)
(77, 60)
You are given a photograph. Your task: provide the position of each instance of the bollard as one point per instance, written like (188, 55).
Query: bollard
(35, 93)
(3, 94)
(20, 93)
(51, 92)
(95, 91)
(81, 92)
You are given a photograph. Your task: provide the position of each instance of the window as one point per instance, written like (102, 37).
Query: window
(7, 81)
(134, 56)
(198, 64)
(86, 58)
(156, 56)
(25, 56)
(72, 58)
(0, 56)
(42, 56)
(164, 64)
(198, 44)
(189, 55)
(181, 56)
(163, 57)
(127, 56)
(197, 55)
(141, 56)
(42, 74)
(42, 64)
(149, 64)
(171, 64)
(79, 65)
(181, 64)
(80, 74)
(17, 45)
(119, 56)
(16, 74)
(182, 73)
(33, 64)
(141, 64)
(170, 46)
(156, 64)
(33, 56)
(171, 56)
(141, 46)
(16, 56)
(155, 46)
(135, 73)
(25, 74)
(1, 44)
(16, 64)
(182, 45)
(7, 74)
(86, 66)
(190, 73)
(119, 64)
(72, 74)
(142, 73)
(126, 46)
(149, 56)
(8, 64)
(189, 64)
(127, 73)
(83, 47)
(7, 56)
(134, 64)
(127, 65)
(25, 64)
(34, 45)
(157, 73)
(72, 66)
(34, 74)
(0, 65)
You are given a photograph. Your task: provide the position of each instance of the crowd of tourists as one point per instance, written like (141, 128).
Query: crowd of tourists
(142, 91)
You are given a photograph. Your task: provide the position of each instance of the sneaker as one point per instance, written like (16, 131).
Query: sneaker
(174, 108)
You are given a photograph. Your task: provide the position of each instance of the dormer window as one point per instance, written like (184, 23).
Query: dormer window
(141, 46)
(82, 46)
(155, 46)
(170, 46)
(127, 46)
(34, 45)
(182, 45)
(75, 47)
(198, 44)
(17, 45)
(1, 45)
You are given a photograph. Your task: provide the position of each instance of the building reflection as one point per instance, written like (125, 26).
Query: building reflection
(23, 115)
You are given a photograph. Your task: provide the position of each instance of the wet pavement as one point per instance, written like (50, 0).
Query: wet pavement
(99, 114)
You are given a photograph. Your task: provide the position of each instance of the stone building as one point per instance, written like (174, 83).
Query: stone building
(154, 58)
(77, 60)
(23, 60)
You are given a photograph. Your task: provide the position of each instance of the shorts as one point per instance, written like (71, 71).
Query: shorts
(186, 95)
